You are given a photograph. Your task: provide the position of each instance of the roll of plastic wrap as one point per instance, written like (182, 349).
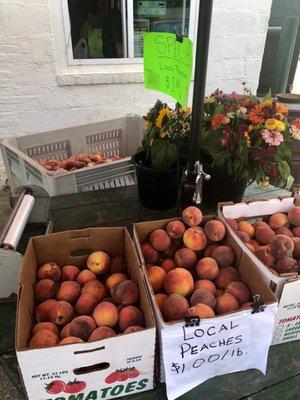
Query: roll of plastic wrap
(19, 222)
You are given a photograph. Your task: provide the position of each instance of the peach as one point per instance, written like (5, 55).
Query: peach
(70, 340)
(44, 290)
(179, 281)
(294, 215)
(201, 311)
(255, 244)
(185, 258)
(85, 304)
(209, 250)
(95, 289)
(49, 270)
(41, 312)
(168, 264)
(281, 246)
(278, 220)
(126, 292)
(260, 224)
(265, 256)
(65, 332)
(82, 327)
(250, 247)
(194, 238)
(175, 307)
(239, 291)
(207, 268)
(296, 231)
(286, 265)
(264, 235)
(223, 255)
(69, 273)
(247, 305)
(98, 262)
(204, 297)
(115, 279)
(61, 313)
(246, 227)
(214, 230)
(296, 251)
(69, 291)
(48, 326)
(160, 240)
(176, 244)
(284, 231)
(175, 229)
(207, 285)
(232, 223)
(130, 316)
(118, 264)
(245, 238)
(156, 276)
(132, 329)
(150, 254)
(192, 216)
(85, 276)
(102, 332)
(219, 293)
(160, 299)
(44, 338)
(106, 314)
(226, 276)
(227, 303)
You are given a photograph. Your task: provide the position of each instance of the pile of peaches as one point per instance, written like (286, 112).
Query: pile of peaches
(191, 270)
(83, 305)
(77, 162)
(275, 240)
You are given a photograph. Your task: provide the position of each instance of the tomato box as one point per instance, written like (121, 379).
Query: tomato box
(103, 369)
(193, 350)
(286, 286)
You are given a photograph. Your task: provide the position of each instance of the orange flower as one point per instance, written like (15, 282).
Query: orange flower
(218, 120)
(256, 116)
(281, 109)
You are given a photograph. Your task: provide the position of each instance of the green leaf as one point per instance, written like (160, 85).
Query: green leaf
(268, 96)
(284, 169)
(163, 154)
(284, 151)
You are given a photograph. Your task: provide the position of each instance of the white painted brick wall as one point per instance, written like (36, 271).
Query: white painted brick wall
(32, 101)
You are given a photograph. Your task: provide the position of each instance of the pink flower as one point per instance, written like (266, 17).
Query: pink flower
(273, 138)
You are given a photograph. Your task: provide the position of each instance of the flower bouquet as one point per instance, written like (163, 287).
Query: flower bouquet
(247, 138)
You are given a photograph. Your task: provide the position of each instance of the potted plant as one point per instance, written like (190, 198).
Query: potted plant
(159, 161)
(243, 140)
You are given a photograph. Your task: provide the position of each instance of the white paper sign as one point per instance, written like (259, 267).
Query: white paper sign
(222, 345)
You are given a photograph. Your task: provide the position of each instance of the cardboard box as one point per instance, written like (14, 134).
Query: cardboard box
(248, 271)
(93, 362)
(287, 286)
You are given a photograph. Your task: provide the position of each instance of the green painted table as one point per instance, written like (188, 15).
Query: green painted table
(120, 207)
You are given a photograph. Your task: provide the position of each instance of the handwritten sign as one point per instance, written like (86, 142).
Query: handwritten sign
(168, 64)
(226, 344)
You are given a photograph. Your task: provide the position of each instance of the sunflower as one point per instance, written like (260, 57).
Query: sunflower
(163, 117)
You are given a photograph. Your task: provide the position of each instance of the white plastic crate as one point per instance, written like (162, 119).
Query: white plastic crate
(113, 137)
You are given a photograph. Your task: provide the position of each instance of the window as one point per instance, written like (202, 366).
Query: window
(111, 31)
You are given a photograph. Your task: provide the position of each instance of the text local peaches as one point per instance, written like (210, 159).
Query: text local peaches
(191, 271)
(275, 241)
(76, 306)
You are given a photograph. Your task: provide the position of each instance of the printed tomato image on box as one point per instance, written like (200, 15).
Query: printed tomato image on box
(84, 317)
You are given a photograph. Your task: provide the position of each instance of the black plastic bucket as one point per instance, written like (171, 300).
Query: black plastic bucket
(157, 189)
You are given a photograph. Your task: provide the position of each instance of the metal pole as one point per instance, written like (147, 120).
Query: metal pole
(204, 23)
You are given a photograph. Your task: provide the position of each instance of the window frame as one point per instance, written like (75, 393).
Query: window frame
(130, 59)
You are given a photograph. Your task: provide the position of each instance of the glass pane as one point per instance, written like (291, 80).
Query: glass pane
(97, 28)
(159, 16)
